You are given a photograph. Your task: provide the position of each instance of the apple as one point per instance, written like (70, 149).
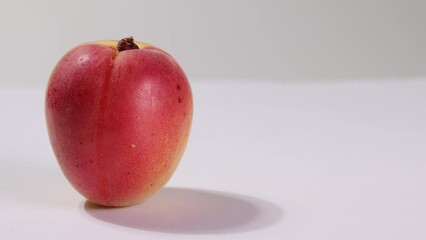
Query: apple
(118, 116)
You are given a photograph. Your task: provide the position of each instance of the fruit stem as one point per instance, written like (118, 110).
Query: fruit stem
(126, 44)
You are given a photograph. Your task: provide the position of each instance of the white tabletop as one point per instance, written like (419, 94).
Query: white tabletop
(266, 160)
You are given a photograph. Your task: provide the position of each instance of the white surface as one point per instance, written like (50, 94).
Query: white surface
(265, 161)
(281, 40)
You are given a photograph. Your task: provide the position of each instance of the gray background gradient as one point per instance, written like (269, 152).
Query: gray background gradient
(218, 40)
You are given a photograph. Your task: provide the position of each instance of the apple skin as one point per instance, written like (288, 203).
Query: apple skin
(118, 122)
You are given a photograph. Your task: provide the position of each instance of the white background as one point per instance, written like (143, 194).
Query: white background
(280, 161)
(309, 120)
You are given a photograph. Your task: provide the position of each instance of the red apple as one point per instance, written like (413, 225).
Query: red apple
(118, 116)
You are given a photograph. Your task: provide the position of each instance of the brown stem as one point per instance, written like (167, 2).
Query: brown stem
(126, 44)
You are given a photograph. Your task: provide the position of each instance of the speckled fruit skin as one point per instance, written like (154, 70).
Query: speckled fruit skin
(118, 122)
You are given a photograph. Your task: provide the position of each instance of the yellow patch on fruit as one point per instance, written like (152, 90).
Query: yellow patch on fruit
(113, 44)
